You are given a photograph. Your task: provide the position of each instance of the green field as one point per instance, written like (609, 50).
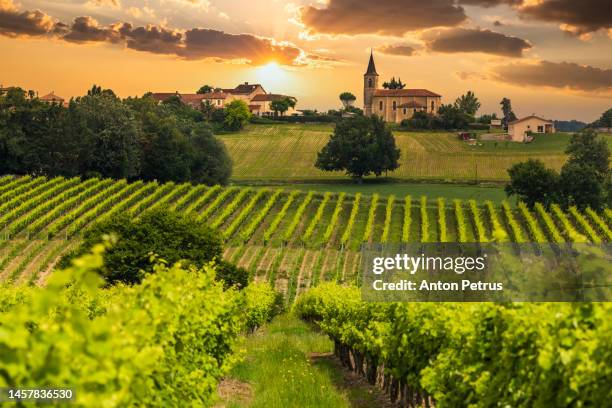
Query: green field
(448, 191)
(293, 239)
(288, 152)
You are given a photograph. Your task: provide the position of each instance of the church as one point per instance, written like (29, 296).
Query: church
(395, 105)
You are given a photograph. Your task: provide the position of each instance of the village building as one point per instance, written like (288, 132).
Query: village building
(521, 130)
(395, 105)
(254, 95)
(53, 98)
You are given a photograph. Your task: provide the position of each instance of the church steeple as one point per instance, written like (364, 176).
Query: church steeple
(371, 66)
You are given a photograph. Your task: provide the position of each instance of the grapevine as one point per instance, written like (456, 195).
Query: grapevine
(346, 236)
(317, 217)
(442, 219)
(388, 214)
(407, 219)
(280, 216)
(367, 234)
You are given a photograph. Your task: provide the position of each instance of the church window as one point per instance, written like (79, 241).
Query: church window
(370, 83)
(394, 105)
(381, 105)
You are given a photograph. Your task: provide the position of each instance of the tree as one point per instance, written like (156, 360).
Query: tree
(347, 99)
(581, 186)
(587, 149)
(208, 109)
(451, 117)
(509, 115)
(533, 183)
(237, 114)
(159, 234)
(605, 121)
(204, 89)
(487, 118)
(468, 103)
(360, 146)
(282, 105)
(393, 84)
(585, 177)
(210, 161)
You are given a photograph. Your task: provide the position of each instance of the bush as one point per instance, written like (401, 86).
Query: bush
(165, 342)
(158, 234)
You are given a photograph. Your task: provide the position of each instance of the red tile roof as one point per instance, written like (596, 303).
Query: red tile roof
(51, 97)
(162, 96)
(215, 95)
(530, 117)
(405, 92)
(269, 97)
(243, 89)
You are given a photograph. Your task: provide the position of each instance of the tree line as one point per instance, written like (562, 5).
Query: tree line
(101, 135)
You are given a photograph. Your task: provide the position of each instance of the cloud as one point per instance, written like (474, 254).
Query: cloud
(14, 23)
(397, 49)
(203, 43)
(195, 43)
(474, 40)
(577, 17)
(390, 17)
(563, 75)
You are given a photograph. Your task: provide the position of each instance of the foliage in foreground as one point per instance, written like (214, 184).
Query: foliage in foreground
(165, 342)
(482, 354)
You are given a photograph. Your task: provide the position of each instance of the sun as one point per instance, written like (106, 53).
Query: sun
(272, 75)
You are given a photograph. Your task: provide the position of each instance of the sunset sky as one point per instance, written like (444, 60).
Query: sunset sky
(550, 57)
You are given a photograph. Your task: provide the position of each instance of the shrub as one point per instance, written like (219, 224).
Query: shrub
(157, 234)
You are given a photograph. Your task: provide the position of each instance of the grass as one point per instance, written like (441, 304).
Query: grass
(280, 372)
(288, 152)
(449, 191)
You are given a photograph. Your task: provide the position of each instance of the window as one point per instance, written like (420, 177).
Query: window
(370, 83)
(218, 101)
(381, 105)
(405, 111)
(413, 110)
(432, 106)
(394, 105)
(540, 129)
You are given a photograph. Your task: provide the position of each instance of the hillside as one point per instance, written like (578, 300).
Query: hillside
(288, 152)
(292, 238)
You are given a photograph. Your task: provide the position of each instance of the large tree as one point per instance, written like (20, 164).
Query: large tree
(468, 103)
(360, 146)
(532, 182)
(237, 114)
(509, 115)
(205, 89)
(282, 105)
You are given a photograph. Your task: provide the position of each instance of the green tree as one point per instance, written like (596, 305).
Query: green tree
(533, 183)
(282, 105)
(605, 121)
(509, 115)
(468, 103)
(237, 115)
(451, 117)
(585, 177)
(205, 89)
(210, 161)
(347, 99)
(394, 84)
(360, 146)
(160, 233)
(208, 109)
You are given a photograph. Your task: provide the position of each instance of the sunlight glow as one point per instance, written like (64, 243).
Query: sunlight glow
(272, 75)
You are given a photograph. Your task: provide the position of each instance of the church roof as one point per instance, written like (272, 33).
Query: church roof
(405, 92)
(269, 97)
(412, 104)
(371, 66)
(52, 97)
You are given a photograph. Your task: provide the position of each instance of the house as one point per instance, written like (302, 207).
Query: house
(519, 130)
(262, 104)
(395, 105)
(53, 98)
(255, 96)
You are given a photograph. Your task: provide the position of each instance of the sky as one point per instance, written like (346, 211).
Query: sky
(550, 57)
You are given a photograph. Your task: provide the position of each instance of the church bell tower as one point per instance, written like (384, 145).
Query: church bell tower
(370, 84)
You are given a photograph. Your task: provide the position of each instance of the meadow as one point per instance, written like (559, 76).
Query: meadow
(293, 239)
(287, 152)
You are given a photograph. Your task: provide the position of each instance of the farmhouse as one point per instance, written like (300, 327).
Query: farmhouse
(519, 130)
(395, 105)
(255, 96)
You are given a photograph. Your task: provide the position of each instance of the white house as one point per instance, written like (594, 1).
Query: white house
(521, 128)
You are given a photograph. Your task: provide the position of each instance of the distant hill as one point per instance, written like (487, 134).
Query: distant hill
(569, 125)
